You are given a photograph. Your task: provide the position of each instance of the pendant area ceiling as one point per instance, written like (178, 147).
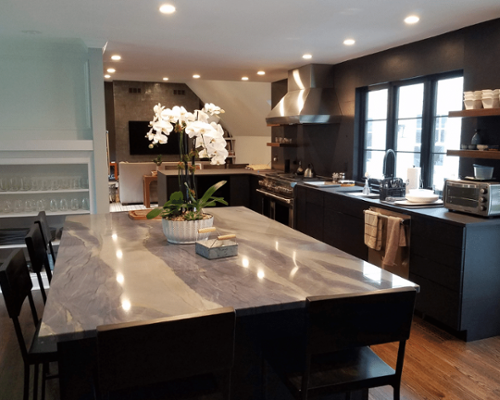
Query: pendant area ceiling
(229, 39)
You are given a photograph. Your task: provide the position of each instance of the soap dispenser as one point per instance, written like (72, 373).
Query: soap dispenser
(366, 188)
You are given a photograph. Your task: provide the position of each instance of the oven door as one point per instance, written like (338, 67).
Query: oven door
(277, 207)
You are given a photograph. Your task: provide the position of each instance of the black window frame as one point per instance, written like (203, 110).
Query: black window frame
(428, 119)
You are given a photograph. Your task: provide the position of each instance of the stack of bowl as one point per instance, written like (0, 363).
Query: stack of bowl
(490, 98)
(473, 100)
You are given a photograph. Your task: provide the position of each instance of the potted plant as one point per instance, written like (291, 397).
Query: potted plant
(182, 215)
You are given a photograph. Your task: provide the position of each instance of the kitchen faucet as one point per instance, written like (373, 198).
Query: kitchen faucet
(386, 175)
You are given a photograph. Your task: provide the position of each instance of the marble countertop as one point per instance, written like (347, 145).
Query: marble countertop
(113, 269)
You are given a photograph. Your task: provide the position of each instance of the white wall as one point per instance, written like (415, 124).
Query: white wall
(253, 150)
(246, 104)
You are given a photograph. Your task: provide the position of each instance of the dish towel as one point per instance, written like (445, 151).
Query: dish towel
(373, 230)
(396, 238)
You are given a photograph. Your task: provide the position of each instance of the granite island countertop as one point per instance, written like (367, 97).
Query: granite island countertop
(113, 269)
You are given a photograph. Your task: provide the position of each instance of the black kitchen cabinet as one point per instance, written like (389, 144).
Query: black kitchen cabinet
(309, 211)
(256, 198)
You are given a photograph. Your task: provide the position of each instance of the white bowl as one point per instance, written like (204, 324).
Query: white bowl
(482, 146)
(469, 104)
(421, 196)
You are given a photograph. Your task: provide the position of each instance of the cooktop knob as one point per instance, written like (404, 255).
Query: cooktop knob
(482, 199)
(483, 190)
(482, 208)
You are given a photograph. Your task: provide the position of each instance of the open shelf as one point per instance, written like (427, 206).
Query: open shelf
(480, 112)
(492, 155)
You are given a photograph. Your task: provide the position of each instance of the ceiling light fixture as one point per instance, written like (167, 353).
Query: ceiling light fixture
(196, 76)
(167, 9)
(107, 76)
(165, 79)
(261, 73)
(412, 19)
(349, 42)
(307, 56)
(245, 78)
(111, 70)
(116, 57)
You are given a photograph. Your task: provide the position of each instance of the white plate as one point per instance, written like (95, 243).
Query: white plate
(406, 203)
(322, 184)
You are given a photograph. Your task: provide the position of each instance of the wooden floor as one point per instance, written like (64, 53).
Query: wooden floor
(437, 365)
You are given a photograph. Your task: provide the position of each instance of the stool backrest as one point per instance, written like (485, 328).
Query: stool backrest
(342, 322)
(142, 353)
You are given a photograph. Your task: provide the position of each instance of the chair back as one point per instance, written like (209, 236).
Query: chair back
(16, 285)
(148, 352)
(38, 255)
(342, 322)
(41, 220)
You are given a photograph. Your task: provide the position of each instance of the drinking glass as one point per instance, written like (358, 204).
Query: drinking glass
(18, 206)
(53, 205)
(85, 204)
(15, 183)
(7, 206)
(75, 204)
(41, 205)
(54, 184)
(63, 205)
(36, 184)
(46, 184)
(26, 183)
(29, 205)
(4, 184)
(65, 183)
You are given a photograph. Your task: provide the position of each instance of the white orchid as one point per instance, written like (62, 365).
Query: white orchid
(198, 128)
(212, 109)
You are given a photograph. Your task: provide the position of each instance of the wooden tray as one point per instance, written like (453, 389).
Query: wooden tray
(141, 214)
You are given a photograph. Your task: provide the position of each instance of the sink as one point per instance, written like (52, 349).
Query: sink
(367, 196)
(322, 184)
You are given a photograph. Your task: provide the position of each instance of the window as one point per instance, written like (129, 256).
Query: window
(411, 118)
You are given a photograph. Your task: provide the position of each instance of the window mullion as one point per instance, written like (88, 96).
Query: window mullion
(427, 128)
(392, 99)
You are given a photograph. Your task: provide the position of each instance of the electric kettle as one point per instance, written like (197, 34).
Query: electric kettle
(309, 172)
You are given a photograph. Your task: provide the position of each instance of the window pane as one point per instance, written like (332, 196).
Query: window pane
(409, 135)
(446, 134)
(411, 99)
(443, 168)
(375, 136)
(377, 104)
(373, 163)
(405, 161)
(449, 95)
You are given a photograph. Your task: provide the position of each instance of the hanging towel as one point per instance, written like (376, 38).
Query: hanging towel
(396, 237)
(373, 230)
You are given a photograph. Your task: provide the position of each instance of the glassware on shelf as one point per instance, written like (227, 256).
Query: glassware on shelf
(42, 205)
(6, 206)
(85, 204)
(4, 184)
(18, 206)
(15, 183)
(54, 205)
(75, 204)
(29, 205)
(26, 183)
(63, 205)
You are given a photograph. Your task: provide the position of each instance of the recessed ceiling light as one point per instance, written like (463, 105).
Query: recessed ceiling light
(349, 42)
(412, 19)
(261, 73)
(196, 76)
(245, 78)
(165, 79)
(111, 70)
(107, 76)
(167, 9)
(116, 57)
(307, 56)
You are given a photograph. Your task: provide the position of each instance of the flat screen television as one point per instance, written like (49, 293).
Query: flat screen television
(139, 143)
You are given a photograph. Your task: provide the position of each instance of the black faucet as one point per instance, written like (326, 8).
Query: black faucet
(392, 172)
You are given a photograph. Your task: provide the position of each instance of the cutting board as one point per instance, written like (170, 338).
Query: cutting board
(141, 214)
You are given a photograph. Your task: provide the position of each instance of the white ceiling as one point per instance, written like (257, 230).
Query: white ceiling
(228, 39)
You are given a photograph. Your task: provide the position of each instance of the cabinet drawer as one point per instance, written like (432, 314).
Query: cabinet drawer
(438, 302)
(436, 231)
(435, 252)
(444, 275)
(346, 205)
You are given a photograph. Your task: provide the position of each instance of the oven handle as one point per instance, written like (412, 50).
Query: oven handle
(275, 196)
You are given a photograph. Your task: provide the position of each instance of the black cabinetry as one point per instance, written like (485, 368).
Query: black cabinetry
(309, 211)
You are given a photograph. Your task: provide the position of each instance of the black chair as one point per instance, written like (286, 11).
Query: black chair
(38, 256)
(16, 286)
(174, 357)
(41, 220)
(333, 355)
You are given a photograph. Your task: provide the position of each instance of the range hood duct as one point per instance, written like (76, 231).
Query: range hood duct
(311, 98)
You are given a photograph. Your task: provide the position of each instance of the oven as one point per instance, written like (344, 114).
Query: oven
(277, 197)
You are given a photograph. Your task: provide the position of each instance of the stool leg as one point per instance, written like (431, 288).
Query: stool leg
(26, 382)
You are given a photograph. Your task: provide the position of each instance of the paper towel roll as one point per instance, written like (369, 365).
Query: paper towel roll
(413, 178)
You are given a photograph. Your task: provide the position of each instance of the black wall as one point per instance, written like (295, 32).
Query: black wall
(475, 50)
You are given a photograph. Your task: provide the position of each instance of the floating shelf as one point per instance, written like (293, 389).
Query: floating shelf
(480, 112)
(282, 144)
(492, 155)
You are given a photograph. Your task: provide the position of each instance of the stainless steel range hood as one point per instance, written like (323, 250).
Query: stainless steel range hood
(311, 98)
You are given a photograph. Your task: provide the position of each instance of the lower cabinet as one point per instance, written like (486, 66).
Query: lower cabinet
(309, 211)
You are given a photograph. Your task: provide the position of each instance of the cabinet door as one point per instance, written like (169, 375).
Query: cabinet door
(309, 211)
(239, 190)
(255, 197)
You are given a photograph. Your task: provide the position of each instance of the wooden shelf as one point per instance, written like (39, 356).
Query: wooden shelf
(480, 112)
(493, 155)
(281, 144)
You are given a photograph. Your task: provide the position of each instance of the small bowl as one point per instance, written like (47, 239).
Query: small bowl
(482, 146)
(472, 147)
(483, 171)
(464, 146)
(469, 104)
(477, 104)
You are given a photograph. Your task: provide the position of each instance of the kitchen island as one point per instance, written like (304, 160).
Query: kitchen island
(113, 269)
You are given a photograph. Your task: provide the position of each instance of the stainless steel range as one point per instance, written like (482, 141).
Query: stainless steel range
(278, 196)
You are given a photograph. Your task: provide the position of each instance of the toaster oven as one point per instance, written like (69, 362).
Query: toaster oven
(473, 197)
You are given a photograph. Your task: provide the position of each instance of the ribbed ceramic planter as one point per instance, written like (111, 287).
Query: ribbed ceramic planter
(186, 232)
